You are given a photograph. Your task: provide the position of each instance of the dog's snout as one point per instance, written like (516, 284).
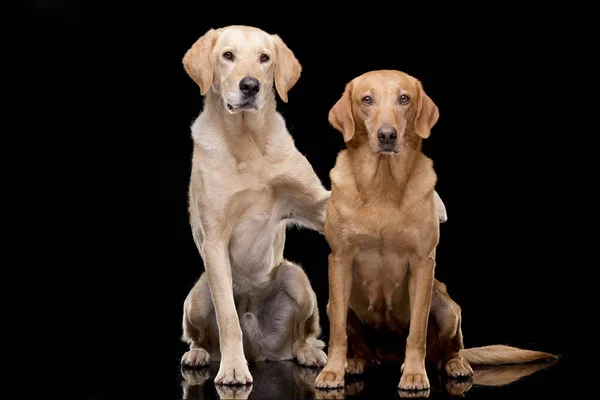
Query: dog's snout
(387, 135)
(249, 86)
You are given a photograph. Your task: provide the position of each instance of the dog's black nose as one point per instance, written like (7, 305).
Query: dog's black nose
(387, 135)
(249, 86)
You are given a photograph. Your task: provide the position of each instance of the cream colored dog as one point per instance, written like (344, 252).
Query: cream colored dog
(248, 181)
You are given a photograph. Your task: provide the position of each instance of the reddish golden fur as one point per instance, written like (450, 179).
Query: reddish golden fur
(383, 229)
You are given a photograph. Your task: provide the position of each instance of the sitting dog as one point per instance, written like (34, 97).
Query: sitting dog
(382, 227)
(248, 181)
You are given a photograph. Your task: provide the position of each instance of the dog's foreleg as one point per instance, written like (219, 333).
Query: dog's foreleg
(307, 198)
(420, 287)
(340, 286)
(234, 367)
(311, 212)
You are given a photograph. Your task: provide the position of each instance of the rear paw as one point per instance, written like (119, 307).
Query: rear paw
(356, 366)
(196, 357)
(311, 356)
(457, 368)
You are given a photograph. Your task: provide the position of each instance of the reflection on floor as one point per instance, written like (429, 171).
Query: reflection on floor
(288, 380)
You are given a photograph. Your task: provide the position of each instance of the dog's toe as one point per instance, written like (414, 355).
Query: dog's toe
(311, 356)
(457, 368)
(197, 357)
(356, 366)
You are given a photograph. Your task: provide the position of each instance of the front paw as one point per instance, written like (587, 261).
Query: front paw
(233, 373)
(414, 381)
(311, 356)
(330, 379)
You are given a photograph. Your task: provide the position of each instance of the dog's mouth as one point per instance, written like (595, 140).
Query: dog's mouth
(389, 152)
(243, 106)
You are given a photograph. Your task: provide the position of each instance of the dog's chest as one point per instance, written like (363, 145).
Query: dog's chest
(382, 241)
(257, 217)
(382, 229)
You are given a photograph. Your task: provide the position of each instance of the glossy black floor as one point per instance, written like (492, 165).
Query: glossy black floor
(288, 380)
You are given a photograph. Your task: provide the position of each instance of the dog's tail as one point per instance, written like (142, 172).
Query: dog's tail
(501, 354)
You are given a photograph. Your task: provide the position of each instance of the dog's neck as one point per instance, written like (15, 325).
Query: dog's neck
(385, 177)
(249, 127)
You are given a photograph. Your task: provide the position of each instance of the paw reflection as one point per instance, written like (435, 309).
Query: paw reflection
(233, 392)
(458, 387)
(192, 384)
(354, 388)
(338, 393)
(195, 377)
(288, 379)
(351, 388)
(414, 394)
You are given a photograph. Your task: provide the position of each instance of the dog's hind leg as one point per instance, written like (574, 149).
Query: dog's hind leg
(358, 355)
(447, 315)
(198, 321)
(306, 346)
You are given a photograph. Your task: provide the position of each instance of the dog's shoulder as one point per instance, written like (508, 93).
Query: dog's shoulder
(341, 174)
(424, 177)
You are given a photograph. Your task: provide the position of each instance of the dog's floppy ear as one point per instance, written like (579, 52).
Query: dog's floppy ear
(340, 115)
(197, 61)
(427, 113)
(287, 68)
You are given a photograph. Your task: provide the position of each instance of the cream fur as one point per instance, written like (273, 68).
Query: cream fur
(248, 182)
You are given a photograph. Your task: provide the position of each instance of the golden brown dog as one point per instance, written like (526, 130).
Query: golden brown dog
(383, 228)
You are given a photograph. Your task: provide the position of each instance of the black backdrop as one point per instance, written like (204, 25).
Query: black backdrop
(505, 81)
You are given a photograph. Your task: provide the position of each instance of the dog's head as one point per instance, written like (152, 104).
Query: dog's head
(388, 109)
(240, 64)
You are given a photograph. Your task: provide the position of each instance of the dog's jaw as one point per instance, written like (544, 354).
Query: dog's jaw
(243, 107)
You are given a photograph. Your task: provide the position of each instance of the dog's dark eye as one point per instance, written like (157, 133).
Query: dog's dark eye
(367, 100)
(264, 58)
(404, 99)
(228, 55)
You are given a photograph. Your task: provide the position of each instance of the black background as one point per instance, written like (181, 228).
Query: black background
(505, 150)
(494, 149)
